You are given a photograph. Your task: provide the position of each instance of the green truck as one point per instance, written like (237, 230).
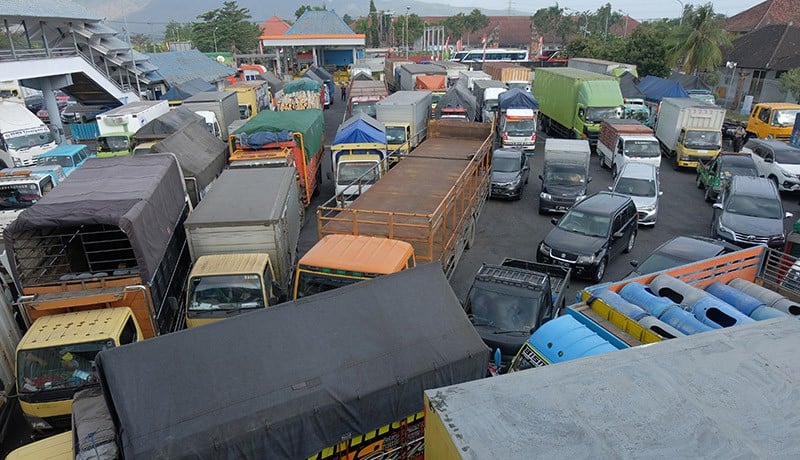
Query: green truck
(573, 102)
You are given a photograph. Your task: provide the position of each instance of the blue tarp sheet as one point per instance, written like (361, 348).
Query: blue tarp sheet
(517, 98)
(360, 129)
(186, 90)
(262, 138)
(656, 88)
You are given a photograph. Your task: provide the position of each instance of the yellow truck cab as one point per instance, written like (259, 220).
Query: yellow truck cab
(225, 284)
(773, 120)
(339, 260)
(398, 140)
(58, 447)
(56, 357)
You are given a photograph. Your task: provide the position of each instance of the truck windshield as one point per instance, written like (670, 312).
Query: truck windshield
(395, 134)
(520, 128)
(225, 292)
(368, 108)
(18, 196)
(309, 283)
(636, 112)
(497, 307)
(365, 173)
(27, 141)
(784, 117)
(564, 174)
(112, 143)
(435, 98)
(708, 140)
(65, 366)
(598, 114)
(643, 149)
(61, 160)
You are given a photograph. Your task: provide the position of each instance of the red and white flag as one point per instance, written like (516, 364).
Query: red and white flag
(458, 45)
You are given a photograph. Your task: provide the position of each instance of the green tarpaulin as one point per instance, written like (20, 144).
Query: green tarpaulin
(309, 123)
(301, 84)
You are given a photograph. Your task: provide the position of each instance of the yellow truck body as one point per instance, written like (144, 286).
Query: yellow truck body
(772, 120)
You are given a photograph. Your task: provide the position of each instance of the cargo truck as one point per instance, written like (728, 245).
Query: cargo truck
(514, 75)
(243, 242)
(486, 94)
(162, 127)
(363, 95)
(405, 116)
(390, 73)
(694, 397)
(358, 156)
(23, 136)
(565, 174)
(408, 75)
(105, 247)
(689, 130)
(453, 68)
(252, 97)
(623, 141)
(772, 120)
(224, 107)
(283, 138)
(517, 119)
(601, 66)
(118, 126)
(20, 190)
(467, 78)
(432, 199)
(456, 104)
(573, 102)
(298, 398)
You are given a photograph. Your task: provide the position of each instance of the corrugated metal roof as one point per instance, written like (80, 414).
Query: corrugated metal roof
(319, 23)
(181, 66)
(63, 9)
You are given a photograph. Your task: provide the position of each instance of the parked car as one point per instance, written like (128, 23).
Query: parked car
(640, 182)
(509, 173)
(777, 161)
(79, 113)
(679, 251)
(68, 156)
(592, 233)
(750, 212)
(713, 175)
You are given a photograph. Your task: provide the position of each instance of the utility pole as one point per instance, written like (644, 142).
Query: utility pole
(214, 33)
(682, 10)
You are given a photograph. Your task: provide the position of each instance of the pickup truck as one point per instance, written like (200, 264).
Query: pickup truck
(507, 302)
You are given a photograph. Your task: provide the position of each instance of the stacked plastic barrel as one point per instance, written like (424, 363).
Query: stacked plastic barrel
(671, 308)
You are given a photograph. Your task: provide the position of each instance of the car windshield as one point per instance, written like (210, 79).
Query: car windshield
(310, 283)
(18, 196)
(505, 164)
(787, 155)
(365, 173)
(755, 206)
(635, 187)
(564, 175)
(520, 128)
(503, 310)
(395, 134)
(577, 221)
(27, 141)
(784, 117)
(61, 160)
(658, 261)
(645, 149)
(225, 292)
(707, 140)
(60, 367)
(112, 143)
(368, 108)
(598, 114)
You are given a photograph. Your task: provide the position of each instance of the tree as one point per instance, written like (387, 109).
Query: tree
(455, 25)
(790, 83)
(303, 8)
(347, 19)
(700, 40)
(552, 19)
(372, 30)
(646, 47)
(227, 28)
(176, 31)
(416, 27)
(475, 21)
(142, 42)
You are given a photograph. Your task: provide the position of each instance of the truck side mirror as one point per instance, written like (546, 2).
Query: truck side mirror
(540, 177)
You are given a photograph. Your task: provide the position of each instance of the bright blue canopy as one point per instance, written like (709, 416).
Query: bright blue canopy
(656, 88)
(517, 98)
(360, 129)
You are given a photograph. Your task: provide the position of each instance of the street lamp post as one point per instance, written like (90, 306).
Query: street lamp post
(682, 8)
(214, 33)
(406, 31)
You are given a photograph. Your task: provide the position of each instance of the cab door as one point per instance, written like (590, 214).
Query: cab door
(759, 121)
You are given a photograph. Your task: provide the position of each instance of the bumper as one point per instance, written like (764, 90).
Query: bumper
(746, 243)
(579, 270)
(789, 186)
(647, 217)
(556, 205)
(498, 191)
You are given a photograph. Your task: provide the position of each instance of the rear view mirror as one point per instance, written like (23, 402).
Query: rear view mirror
(588, 179)
(788, 215)
(634, 263)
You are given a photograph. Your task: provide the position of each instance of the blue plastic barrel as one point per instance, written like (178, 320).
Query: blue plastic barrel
(564, 338)
(621, 305)
(746, 304)
(659, 327)
(663, 308)
(684, 321)
(764, 312)
(676, 290)
(716, 313)
(770, 298)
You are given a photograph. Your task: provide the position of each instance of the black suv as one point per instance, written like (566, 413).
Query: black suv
(750, 212)
(590, 234)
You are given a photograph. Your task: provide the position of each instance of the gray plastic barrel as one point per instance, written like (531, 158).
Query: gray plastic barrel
(663, 308)
(621, 305)
(746, 304)
(716, 313)
(770, 298)
(659, 327)
(676, 290)
(764, 312)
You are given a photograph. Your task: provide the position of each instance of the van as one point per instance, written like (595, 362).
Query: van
(591, 234)
(565, 174)
(68, 156)
(23, 135)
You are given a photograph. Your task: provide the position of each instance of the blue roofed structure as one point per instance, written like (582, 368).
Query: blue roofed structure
(656, 88)
(179, 67)
(319, 23)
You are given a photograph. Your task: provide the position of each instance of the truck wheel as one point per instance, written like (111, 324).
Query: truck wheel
(675, 165)
(600, 272)
(699, 182)
(470, 234)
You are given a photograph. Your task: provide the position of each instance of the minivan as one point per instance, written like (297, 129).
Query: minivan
(509, 173)
(591, 234)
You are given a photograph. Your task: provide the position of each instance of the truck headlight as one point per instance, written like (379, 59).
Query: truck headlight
(37, 423)
(545, 196)
(586, 259)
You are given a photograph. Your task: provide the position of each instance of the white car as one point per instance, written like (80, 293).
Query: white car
(777, 161)
(640, 182)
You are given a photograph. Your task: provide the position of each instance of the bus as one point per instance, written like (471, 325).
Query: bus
(491, 55)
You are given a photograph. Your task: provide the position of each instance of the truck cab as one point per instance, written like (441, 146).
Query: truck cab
(224, 285)
(212, 123)
(398, 140)
(56, 357)
(772, 120)
(518, 128)
(20, 189)
(694, 144)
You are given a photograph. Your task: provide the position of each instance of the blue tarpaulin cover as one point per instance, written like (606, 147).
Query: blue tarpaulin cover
(517, 98)
(656, 88)
(360, 129)
(262, 138)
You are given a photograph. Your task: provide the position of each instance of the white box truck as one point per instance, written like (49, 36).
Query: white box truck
(467, 78)
(405, 116)
(689, 130)
(23, 136)
(117, 126)
(218, 108)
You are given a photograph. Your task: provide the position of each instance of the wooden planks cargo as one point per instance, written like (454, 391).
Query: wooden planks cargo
(431, 199)
(506, 71)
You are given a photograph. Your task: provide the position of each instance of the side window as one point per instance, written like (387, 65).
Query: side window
(681, 136)
(128, 334)
(76, 159)
(759, 151)
(618, 222)
(630, 214)
(84, 154)
(764, 115)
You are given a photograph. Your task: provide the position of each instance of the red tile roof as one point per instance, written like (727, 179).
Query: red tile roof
(274, 26)
(763, 14)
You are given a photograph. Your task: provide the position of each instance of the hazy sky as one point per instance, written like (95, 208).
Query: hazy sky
(637, 9)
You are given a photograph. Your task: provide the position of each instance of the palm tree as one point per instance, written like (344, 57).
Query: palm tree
(700, 40)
